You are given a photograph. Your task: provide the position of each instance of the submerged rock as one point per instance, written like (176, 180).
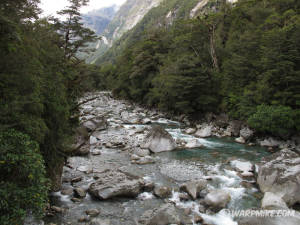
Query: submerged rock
(159, 140)
(280, 174)
(112, 184)
(193, 188)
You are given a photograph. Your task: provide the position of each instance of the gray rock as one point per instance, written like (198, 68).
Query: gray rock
(194, 143)
(246, 133)
(217, 199)
(145, 160)
(193, 188)
(204, 132)
(270, 142)
(100, 222)
(190, 131)
(112, 184)
(280, 174)
(244, 167)
(240, 140)
(80, 192)
(272, 201)
(164, 215)
(89, 125)
(67, 191)
(159, 140)
(92, 212)
(141, 152)
(162, 191)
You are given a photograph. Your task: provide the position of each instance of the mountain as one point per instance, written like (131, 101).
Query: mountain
(99, 19)
(129, 14)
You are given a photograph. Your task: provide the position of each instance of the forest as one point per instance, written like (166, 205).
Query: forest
(40, 81)
(241, 59)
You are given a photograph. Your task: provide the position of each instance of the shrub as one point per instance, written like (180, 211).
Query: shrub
(277, 120)
(23, 186)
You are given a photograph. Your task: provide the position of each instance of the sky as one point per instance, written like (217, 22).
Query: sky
(50, 7)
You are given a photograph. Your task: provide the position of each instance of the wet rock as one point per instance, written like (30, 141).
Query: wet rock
(76, 179)
(217, 199)
(272, 201)
(280, 174)
(134, 157)
(190, 131)
(198, 218)
(244, 167)
(100, 222)
(80, 192)
(83, 150)
(204, 132)
(162, 191)
(159, 140)
(194, 143)
(148, 185)
(240, 140)
(164, 215)
(76, 200)
(92, 212)
(93, 140)
(270, 142)
(184, 196)
(85, 169)
(96, 152)
(193, 188)
(246, 133)
(67, 191)
(115, 184)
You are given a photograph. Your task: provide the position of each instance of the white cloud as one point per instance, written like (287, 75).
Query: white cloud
(52, 6)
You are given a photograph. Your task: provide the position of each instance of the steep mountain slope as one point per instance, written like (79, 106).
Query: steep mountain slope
(130, 13)
(98, 20)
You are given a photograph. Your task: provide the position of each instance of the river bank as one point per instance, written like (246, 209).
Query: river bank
(118, 176)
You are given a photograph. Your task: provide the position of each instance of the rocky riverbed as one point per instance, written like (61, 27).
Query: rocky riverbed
(135, 166)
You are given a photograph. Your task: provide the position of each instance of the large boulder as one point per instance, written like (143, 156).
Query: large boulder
(272, 201)
(246, 133)
(204, 132)
(217, 199)
(112, 184)
(270, 142)
(193, 188)
(280, 174)
(159, 140)
(164, 215)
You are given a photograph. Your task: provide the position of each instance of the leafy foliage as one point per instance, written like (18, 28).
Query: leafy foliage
(23, 186)
(231, 58)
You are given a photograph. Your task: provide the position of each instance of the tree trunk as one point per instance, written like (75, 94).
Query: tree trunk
(213, 48)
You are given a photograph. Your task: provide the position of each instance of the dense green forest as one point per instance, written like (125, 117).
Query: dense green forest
(40, 81)
(242, 59)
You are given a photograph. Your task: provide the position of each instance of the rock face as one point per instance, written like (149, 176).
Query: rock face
(246, 133)
(115, 184)
(217, 199)
(280, 174)
(193, 188)
(204, 132)
(164, 215)
(159, 140)
(272, 201)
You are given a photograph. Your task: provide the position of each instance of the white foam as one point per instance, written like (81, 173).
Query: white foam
(221, 218)
(145, 196)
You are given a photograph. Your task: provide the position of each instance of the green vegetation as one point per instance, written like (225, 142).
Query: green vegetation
(241, 59)
(40, 81)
